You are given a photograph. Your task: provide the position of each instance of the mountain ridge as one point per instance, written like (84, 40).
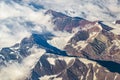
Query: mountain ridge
(91, 40)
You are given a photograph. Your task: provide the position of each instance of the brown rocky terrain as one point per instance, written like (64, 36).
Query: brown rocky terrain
(93, 52)
(52, 67)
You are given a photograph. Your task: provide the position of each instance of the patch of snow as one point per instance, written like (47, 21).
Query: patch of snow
(11, 52)
(51, 60)
(82, 77)
(97, 70)
(94, 77)
(47, 77)
(2, 56)
(116, 76)
(116, 42)
(86, 61)
(66, 59)
(107, 70)
(87, 74)
(116, 27)
(81, 44)
(92, 35)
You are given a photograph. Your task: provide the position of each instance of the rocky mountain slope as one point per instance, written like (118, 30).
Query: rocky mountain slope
(52, 67)
(88, 54)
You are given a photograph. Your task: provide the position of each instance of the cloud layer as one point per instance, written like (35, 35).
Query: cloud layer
(16, 13)
(21, 71)
(107, 10)
(19, 21)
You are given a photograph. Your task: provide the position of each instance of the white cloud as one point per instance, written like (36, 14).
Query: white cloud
(61, 39)
(12, 32)
(48, 77)
(7, 11)
(20, 71)
(107, 10)
(89, 9)
(12, 19)
(13, 28)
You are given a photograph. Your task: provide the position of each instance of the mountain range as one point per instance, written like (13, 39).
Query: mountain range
(54, 45)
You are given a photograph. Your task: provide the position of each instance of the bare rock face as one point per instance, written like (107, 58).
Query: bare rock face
(66, 23)
(117, 22)
(100, 45)
(93, 40)
(52, 67)
(94, 48)
(80, 36)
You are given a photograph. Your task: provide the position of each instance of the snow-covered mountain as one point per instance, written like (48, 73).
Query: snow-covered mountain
(46, 40)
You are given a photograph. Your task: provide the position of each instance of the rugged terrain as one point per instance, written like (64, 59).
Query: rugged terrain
(90, 52)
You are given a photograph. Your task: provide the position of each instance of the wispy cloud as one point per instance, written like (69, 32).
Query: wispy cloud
(13, 26)
(13, 18)
(11, 32)
(88, 9)
(21, 71)
(107, 10)
(17, 22)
